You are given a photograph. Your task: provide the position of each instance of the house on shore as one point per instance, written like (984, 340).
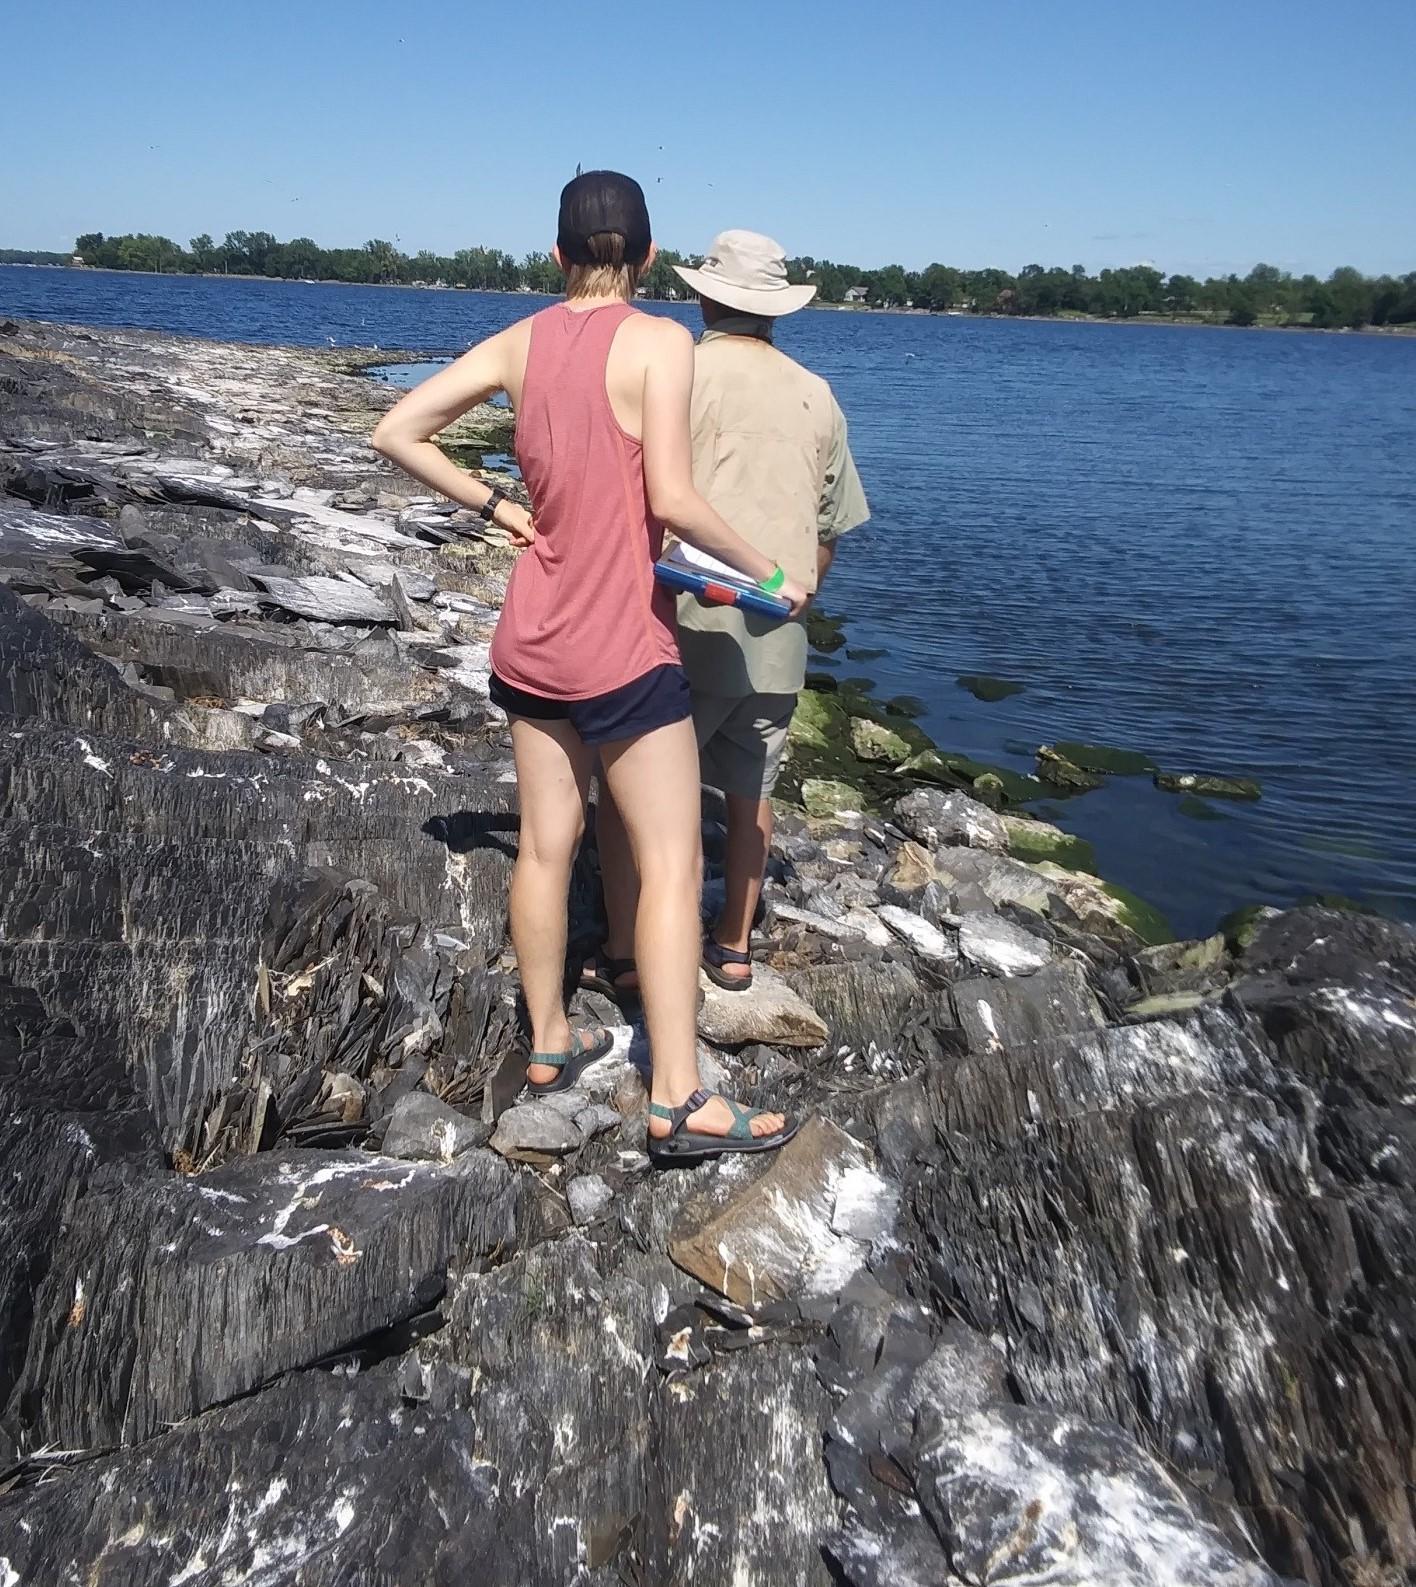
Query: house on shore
(857, 294)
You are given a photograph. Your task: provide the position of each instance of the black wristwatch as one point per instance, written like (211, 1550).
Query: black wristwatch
(488, 509)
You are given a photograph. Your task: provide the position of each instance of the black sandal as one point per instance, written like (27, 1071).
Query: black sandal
(604, 977)
(585, 1050)
(715, 956)
(693, 1146)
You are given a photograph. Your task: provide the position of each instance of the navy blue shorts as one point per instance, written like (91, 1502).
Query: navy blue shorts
(653, 700)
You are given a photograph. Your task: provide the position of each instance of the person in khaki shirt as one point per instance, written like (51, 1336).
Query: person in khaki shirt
(771, 455)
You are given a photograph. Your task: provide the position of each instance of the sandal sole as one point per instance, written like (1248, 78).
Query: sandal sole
(729, 983)
(574, 1068)
(695, 1148)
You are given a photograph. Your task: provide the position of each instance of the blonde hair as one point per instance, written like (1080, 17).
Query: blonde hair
(611, 275)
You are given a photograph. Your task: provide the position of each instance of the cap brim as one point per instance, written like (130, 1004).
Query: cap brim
(770, 302)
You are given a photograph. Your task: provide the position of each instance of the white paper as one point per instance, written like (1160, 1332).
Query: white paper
(690, 557)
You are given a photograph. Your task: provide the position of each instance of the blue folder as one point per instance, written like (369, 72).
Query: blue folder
(719, 590)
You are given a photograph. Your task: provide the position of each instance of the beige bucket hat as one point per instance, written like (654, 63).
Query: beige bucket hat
(746, 271)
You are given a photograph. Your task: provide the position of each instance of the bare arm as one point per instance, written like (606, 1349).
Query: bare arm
(825, 556)
(404, 434)
(668, 465)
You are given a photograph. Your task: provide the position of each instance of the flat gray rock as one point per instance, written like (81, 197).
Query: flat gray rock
(160, 1290)
(996, 944)
(791, 1231)
(1051, 1002)
(423, 1128)
(1002, 881)
(589, 1196)
(328, 600)
(942, 820)
(1063, 1502)
(927, 940)
(535, 1126)
(770, 1011)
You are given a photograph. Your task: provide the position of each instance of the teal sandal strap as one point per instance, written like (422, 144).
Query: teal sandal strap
(739, 1130)
(558, 1060)
(679, 1116)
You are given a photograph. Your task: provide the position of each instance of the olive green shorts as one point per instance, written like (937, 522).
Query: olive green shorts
(740, 740)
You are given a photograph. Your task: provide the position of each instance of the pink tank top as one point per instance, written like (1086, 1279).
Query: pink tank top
(583, 612)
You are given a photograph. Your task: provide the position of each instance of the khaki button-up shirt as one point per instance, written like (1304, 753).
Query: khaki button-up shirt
(770, 454)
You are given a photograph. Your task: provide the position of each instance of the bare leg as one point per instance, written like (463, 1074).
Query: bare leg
(654, 781)
(619, 878)
(749, 841)
(553, 776)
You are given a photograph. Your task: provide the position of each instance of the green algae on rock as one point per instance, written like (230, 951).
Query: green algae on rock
(1149, 924)
(1057, 770)
(1203, 782)
(873, 741)
(1107, 908)
(1105, 759)
(827, 796)
(909, 706)
(989, 689)
(819, 720)
(822, 632)
(1240, 926)
(1032, 841)
(961, 771)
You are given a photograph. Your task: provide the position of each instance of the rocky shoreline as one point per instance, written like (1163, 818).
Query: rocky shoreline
(1094, 1264)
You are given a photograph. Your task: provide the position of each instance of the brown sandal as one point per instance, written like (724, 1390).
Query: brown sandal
(715, 956)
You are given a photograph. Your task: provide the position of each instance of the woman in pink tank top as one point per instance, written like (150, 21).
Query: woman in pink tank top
(585, 661)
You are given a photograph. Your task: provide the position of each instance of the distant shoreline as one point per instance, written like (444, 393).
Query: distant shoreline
(1072, 317)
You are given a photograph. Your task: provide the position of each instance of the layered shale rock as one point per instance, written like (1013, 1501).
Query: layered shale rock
(1092, 1261)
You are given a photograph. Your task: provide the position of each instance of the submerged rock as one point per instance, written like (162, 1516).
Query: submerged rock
(1055, 768)
(989, 689)
(1209, 784)
(1105, 758)
(959, 771)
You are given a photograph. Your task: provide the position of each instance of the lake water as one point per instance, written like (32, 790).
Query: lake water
(1197, 543)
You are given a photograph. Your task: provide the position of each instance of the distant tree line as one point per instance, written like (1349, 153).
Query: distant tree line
(378, 262)
(1345, 298)
(32, 256)
(1266, 294)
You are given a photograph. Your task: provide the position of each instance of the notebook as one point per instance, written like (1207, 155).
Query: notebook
(685, 568)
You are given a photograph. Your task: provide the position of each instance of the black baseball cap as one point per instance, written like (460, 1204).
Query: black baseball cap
(600, 201)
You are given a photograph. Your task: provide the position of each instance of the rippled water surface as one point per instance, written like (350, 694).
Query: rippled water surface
(1197, 543)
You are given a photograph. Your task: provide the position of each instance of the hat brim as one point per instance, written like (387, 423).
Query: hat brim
(770, 302)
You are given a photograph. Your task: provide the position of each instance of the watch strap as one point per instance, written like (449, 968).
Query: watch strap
(489, 508)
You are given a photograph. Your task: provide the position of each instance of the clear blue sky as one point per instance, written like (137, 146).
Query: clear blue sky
(1201, 136)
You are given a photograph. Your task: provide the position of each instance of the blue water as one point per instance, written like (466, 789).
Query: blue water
(1197, 543)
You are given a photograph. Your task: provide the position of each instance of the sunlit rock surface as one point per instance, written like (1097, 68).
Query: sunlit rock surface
(1092, 1263)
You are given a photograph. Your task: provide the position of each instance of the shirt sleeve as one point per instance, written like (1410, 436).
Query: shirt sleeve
(843, 504)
